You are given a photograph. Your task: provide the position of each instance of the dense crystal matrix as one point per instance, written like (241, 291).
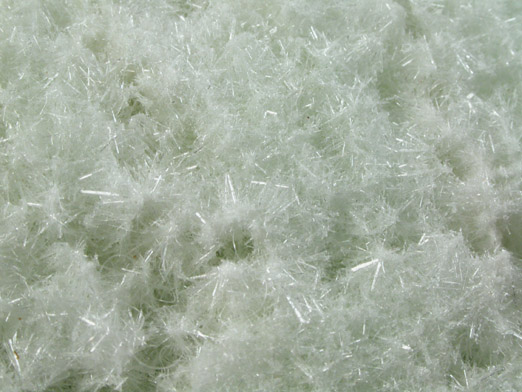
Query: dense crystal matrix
(244, 195)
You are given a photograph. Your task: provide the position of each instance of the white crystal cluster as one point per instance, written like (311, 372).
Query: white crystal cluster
(246, 195)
